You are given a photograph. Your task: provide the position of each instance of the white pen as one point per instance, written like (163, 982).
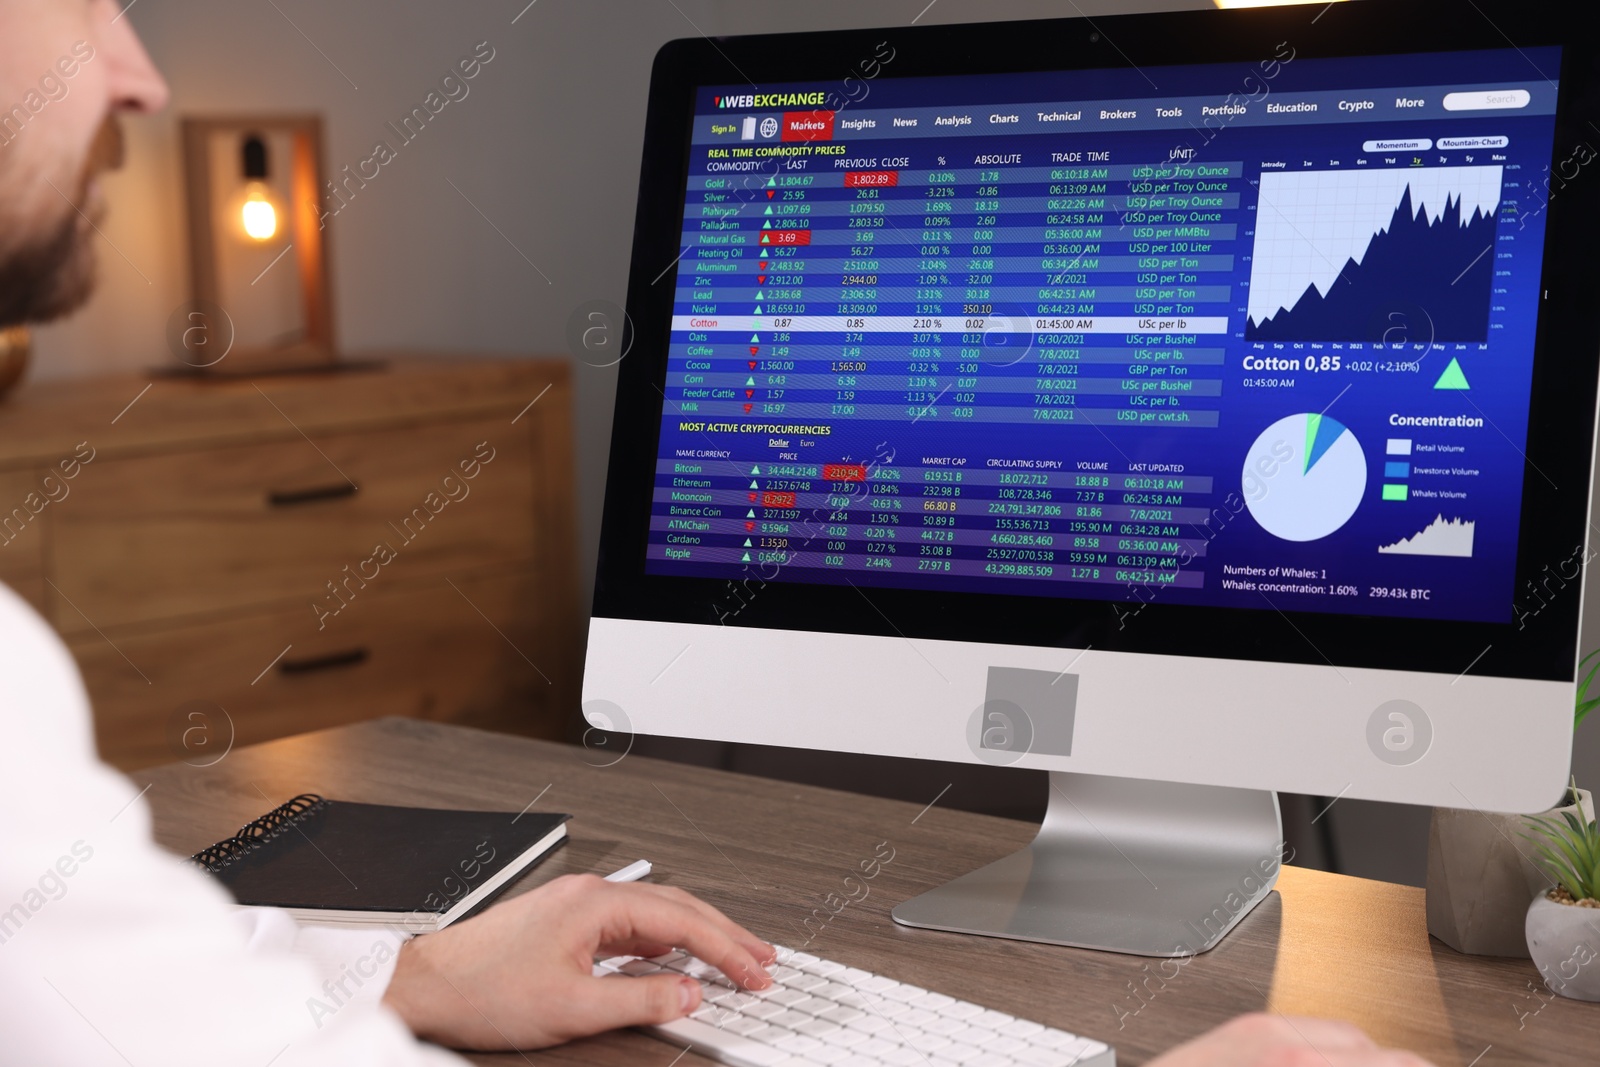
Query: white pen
(631, 873)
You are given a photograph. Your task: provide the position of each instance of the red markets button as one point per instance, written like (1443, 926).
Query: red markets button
(844, 472)
(861, 179)
(808, 126)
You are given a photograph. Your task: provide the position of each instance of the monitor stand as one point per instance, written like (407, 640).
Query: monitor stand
(1148, 868)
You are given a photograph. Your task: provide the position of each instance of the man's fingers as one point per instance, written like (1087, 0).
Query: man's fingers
(634, 947)
(632, 913)
(761, 950)
(600, 1004)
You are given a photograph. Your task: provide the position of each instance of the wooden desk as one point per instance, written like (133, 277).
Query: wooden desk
(769, 852)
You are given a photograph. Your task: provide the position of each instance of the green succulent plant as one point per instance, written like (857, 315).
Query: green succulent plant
(1569, 851)
(1585, 702)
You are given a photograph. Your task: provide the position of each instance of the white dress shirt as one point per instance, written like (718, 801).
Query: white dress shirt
(115, 952)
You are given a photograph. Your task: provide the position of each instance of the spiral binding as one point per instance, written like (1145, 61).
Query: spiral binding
(252, 835)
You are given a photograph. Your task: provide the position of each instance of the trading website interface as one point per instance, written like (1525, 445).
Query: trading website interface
(1263, 340)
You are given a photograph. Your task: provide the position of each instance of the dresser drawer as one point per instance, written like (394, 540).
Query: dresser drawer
(463, 653)
(225, 530)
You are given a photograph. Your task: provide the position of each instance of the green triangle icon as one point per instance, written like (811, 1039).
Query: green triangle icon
(759, 311)
(751, 381)
(754, 338)
(745, 558)
(753, 485)
(763, 253)
(767, 212)
(765, 239)
(750, 514)
(772, 183)
(767, 225)
(757, 468)
(747, 542)
(1452, 378)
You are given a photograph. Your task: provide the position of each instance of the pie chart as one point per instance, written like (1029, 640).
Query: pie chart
(1304, 477)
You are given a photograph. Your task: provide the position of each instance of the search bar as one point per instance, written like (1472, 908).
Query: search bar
(1486, 100)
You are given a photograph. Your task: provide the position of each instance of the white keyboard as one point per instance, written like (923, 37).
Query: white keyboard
(817, 1012)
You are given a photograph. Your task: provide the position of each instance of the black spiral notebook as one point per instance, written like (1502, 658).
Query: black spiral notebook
(346, 864)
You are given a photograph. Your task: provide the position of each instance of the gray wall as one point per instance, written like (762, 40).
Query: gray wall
(546, 145)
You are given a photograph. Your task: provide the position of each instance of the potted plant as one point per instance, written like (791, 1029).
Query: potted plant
(1481, 879)
(1563, 924)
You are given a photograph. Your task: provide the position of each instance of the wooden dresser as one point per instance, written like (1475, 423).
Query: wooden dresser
(233, 561)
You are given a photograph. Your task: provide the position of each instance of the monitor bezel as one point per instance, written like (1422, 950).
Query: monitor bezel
(1536, 644)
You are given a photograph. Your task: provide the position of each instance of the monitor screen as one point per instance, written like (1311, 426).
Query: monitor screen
(1193, 335)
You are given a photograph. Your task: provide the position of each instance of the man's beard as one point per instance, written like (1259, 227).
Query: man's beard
(52, 273)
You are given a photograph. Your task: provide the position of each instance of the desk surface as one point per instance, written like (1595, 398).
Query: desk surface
(769, 852)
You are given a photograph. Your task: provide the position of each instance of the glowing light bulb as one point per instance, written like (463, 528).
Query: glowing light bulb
(259, 216)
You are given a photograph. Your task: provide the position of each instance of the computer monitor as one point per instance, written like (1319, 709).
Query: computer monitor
(1189, 405)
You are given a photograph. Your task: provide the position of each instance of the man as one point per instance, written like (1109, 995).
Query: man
(114, 952)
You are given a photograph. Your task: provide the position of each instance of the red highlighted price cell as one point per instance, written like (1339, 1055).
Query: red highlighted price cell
(844, 472)
(786, 237)
(871, 179)
(777, 500)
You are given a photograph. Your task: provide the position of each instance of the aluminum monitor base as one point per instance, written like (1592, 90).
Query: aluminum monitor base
(1147, 868)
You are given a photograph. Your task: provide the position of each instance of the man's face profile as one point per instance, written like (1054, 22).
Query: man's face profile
(66, 68)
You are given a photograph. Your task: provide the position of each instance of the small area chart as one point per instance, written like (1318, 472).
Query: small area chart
(1441, 537)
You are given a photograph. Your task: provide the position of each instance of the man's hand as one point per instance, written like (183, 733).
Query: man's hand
(1277, 1041)
(521, 974)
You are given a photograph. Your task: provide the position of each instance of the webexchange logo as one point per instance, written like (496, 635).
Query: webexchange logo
(755, 101)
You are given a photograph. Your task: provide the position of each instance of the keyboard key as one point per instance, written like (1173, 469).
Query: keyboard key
(845, 1037)
(991, 1059)
(812, 1005)
(832, 990)
(877, 984)
(925, 1042)
(944, 1026)
(841, 1014)
(903, 1057)
(876, 1047)
(891, 1009)
(994, 1020)
(783, 974)
(962, 1009)
(1021, 1028)
(798, 1044)
(742, 1025)
(817, 1028)
(1083, 1048)
(670, 958)
(790, 1019)
(872, 1024)
(1034, 1056)
(973, 1035)
(1048, 1038)
(1006, 1046)
(806, 982)
(906, 993)
(957, 1054)
(852, 976)
(915, 1017)
(800, 959)
(935, 1001)
(787, 997)
(762, 1009)
(639, 968)
(860, 1061)
(823, 968)
(769, 1034)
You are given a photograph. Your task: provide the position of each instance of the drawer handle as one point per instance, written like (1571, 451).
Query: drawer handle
(286, 498)
(332, 661)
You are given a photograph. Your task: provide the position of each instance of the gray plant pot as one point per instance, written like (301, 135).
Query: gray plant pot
(1481, 878)
(1564, 941)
